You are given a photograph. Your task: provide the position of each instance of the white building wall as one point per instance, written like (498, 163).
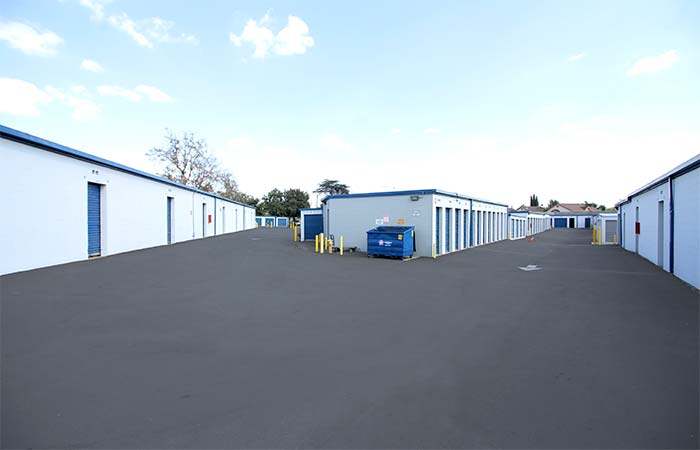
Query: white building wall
(686, 248)
(45, 209)
(648, 239)
(352, 217)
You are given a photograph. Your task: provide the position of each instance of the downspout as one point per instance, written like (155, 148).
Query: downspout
(214, 216)
(670, 231)
(192, 214)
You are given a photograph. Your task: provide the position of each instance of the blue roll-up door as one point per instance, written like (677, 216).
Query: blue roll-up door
(270, 222)
(588, 222)
(313, 225)
(94, 222)
(560, 222)
(258, 220)
(457, 218)
(169, 218)
(282, 222)
(438, 211)
(447, 229)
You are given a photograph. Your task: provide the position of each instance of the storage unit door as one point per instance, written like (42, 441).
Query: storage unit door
(313, 225)
(94, 220)
(282, 222)
(610, 230)
(560, 223)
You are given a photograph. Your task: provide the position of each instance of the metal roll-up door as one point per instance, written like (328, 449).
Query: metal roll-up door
(94, 220)
(610, 230)
(560, 223)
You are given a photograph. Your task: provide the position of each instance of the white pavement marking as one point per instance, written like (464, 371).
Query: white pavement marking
(530, 268)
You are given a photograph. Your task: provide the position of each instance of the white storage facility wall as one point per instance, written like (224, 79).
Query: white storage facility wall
(457, 205)
(517, 225)
(492, 222)
(686, 239)
(352, 217)
(648, 204)
(45, 209)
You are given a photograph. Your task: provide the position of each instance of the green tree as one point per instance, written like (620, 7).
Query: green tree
(294, 200)
(534, 201)
(272, 204)
(552, 204)
(332, 187)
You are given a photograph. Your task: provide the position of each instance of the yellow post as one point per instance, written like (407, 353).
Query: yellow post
(434, 251)
(341, 245)
(329, 246)
(323, 242)
(294, 230)
(316, 243)
(615, 238)
(594, 235)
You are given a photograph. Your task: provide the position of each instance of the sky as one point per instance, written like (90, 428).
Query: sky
(574, 101)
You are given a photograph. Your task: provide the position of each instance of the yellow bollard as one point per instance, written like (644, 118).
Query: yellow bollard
(316, 244)
(322, 241)
(615, 238)
(434, 251)
(294, 230)
(329, 246)
(341, 245)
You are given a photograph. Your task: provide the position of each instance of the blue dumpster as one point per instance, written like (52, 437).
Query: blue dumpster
(397, 242)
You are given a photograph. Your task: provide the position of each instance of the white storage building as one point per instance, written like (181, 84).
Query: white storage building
(661, 221)
(444, 222)
(62, 205)
(526, 223)
(606, 228)
(572, 219)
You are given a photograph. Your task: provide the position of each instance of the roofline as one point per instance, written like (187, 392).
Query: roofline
(310, 209)
(691, 164)
(584, 213)
(43, 144)
(412, 192)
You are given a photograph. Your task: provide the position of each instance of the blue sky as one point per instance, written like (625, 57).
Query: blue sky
(494, 99)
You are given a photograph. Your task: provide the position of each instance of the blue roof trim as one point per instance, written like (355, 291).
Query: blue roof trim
(34, 141)
(413, 192)
(310, 209)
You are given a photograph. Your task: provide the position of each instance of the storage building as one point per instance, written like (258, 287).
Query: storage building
(523, 223)
(606, 228)
(62, 205)
(572, 220)
(311, 223)
(271, 221)
(444, 222)
(661, 221)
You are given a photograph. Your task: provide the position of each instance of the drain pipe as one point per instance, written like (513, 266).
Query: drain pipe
(670, 231)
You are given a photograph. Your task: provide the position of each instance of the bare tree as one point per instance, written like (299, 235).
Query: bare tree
(188, 161)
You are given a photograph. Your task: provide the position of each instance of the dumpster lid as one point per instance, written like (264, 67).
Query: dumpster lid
(391, 229)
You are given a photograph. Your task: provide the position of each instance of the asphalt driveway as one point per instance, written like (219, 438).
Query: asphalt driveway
(251, 340)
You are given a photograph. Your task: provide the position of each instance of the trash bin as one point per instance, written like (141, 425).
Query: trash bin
(396, 242)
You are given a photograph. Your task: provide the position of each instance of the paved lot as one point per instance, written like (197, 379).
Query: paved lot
(250, 340)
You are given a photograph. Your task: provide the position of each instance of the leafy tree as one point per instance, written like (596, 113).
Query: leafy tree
(534, 201)
(602, 207)
(283, 203)
(294, 200)
(189, 161)
(272, 204)
(552, 204)
(332, 187)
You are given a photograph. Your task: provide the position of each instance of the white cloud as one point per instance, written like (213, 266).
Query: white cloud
(395, 131)
(78, 89)
(123, 23)
(293, 39)
(135, 95)
(83, 108)
(21, 98)
(431, 131)
(91, 66)
(154, 94)
(118, 91)
(652, 64)
(144, 32)
(96, 6)
(576, 57)
(28, 39)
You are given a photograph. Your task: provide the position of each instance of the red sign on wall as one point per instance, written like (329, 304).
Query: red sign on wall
(209, 218)
(636, 228)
